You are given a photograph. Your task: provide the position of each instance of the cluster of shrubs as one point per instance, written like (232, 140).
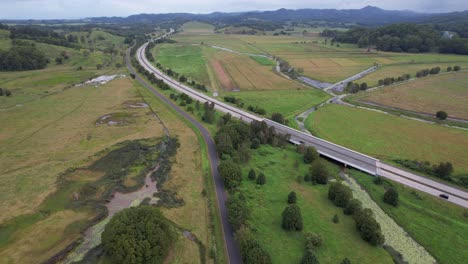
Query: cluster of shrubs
(5, 92)
(443, 170)
(234, 141)
(260, 179)
(426, 72)
(22, 56)
(367, 226)
(256, 109)
(151, 77)
(279, 118)
(234, 100)
(392, 80)
(63, 56)
(419, 74)
(355, 87)
(238, 102)
(455, 68)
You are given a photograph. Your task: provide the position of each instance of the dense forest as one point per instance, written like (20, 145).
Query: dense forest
(42, 35)
(22, 56)
(401, 38)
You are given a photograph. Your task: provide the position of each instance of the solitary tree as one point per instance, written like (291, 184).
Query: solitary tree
(292, 198)
(391, 196)
(261, 179)
(277, 117)
(313, 241)
(310, 155)
(363, 86)
(252, 174)
(309, 258)
(336, 219)
(238, 212)
(441, 115)
(443, 170)
(138, 233)
(292, 218)
(319, 172)
(231, 173)
(368, 227)
(346, 261)
(353, 206)
(182, 78)
(449, 69)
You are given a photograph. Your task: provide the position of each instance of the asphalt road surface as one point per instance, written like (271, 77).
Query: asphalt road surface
(221, 196)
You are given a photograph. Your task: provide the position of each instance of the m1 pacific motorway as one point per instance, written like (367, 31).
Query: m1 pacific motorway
(346, 156)
(325, 148)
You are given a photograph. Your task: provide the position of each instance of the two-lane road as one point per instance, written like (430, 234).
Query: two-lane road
(232, 249)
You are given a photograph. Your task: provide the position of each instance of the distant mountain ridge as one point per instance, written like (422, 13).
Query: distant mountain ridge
(367, 16)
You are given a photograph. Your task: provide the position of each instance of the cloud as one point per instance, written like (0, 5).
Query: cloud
(36, 9)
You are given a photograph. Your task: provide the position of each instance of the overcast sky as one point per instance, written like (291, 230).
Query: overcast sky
(37, 9)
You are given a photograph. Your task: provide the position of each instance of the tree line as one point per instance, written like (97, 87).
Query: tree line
(443, 170)
(411, 38)
(43, 35)
(22, 56)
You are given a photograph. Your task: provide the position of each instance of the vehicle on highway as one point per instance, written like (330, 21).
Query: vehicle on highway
(445, 196)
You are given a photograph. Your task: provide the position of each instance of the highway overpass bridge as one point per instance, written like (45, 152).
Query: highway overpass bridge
(328, 149)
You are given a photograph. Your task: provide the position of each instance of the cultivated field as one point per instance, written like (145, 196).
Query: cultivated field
(252, 79)
(389, 137)
(418, 213)
(447, 92)
(268, 201)
(398, 64)
(318, 59)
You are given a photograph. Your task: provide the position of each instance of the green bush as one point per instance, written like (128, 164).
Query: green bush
(138, 235)
(391, 196)
(261, 179)
(292, 218)
(231, 173)
(292, 198)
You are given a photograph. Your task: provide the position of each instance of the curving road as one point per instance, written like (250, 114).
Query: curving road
(221, 196)
(346, 156)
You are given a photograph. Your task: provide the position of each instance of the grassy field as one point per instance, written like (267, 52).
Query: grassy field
(63, 127)
(447, 92)
(263, 61)
(397, 64)
(28, 86)
(418, 213)
(389, 137)
(253, 81)
(188, 60)
(63, 123)
(317, 58)
(268, 201)
(196, 28)
(288, 103)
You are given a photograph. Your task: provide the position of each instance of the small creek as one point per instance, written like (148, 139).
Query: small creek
(118, 202)
(395, 235)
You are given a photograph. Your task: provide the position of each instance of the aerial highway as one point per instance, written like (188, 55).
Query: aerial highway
(333, 151)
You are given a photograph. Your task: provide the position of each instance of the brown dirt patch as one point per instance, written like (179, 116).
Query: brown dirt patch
(222, 76)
